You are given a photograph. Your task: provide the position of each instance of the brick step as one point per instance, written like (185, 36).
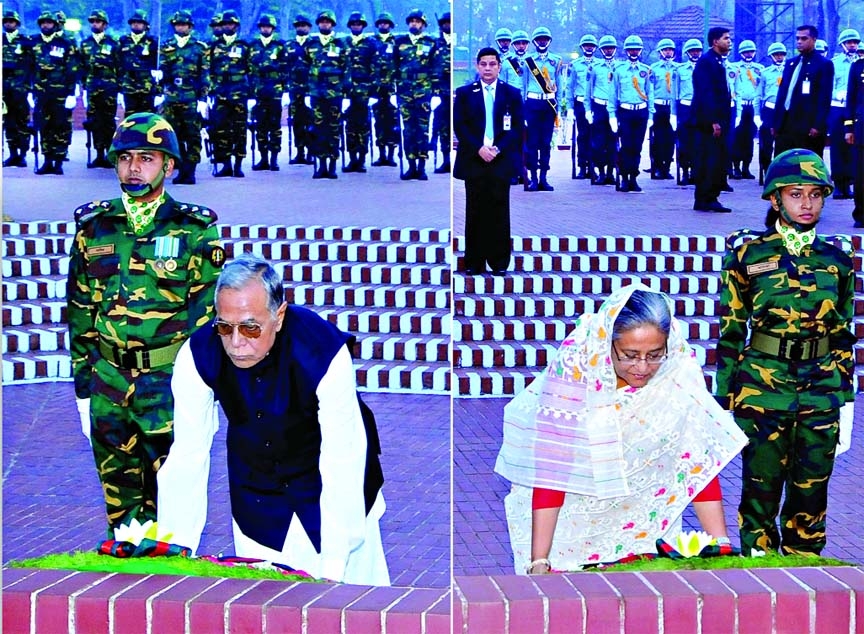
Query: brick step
(531, 261)
(36, 339)
(578, 283)
(425, 322)
(563, 305)
(37, 312)
(380, 296)
(365, 273)
(42, 265)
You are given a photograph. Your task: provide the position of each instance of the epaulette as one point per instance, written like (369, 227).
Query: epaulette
(201, 213)
(737, 238)
(842, 242)
(88, 211)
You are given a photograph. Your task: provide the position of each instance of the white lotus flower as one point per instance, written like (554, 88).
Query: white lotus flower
(135, 531)
(691, 543)
(757, 553)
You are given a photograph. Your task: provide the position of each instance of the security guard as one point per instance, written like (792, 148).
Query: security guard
(361, 68)
(17, 81)
(138, 72)
(785, 358)
(692, 52)
(55, 73)
(854, 134)
(441, 90)
(267, 63)
(822, 47)
(631, 111)
(664, 79)
(230, 87)
(384, 109)
(580, 68)
(542, 91)
(298, 89)
(415, 68)
(503, 38)
(100, 64)
(771, 78)
(842, 156)
(746, 89)
(599, 84)
(185, 66)
(142, 272)
(513, 64)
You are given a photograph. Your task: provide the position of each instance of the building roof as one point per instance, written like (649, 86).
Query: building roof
(680, 26)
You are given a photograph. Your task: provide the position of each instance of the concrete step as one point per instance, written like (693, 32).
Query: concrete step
(582, 262)
(559, 283)
(379, 296)
(425, 322)
(563, 305)
(21, 313)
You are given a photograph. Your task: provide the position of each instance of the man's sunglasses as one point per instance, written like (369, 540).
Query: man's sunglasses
(248, 330)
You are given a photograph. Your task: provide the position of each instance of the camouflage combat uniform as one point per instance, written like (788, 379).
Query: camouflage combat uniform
(441, 89)
(358, 130)
(100, 63)
(787, 405)
(17, 78)
(138, 53)
(297, 69)
(387, 131)
(268, 63)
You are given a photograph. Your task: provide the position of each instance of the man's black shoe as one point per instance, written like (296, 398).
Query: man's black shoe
(727, 188)
(736, 174)
(499, 273)
(859, 224)
(746, 174)
(470, 272)
(531, 186)
(715, 207)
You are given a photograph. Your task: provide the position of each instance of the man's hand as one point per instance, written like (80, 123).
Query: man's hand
(250, 103)
(813, 132)
(613, 124)
(70, 102)
(488, 153)
(156, 75)
(84, 98)
(589, 117)
(436, 101)
(673, 122)
(757, 121)
(159, 100)
(717, 130)
(286, 100)
(850, 138)
(203, 109)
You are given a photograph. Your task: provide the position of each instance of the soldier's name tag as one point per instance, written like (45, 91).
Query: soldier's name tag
(102, 249)
(235, 53)
(762, 267)
(805, 87)
(333, 51)
(506, 123)
(56, 51)
(106, 49)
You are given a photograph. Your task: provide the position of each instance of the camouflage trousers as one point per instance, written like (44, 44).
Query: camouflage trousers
(138, 102)
(301, 120)
(415, 112)
(326, 127)
(441, 124)
(267, 114)
(358, 128)
(228, 129)
(186, 121)
(131, 431)
(791, 450)
(101, 113)
(386, 123)
(54, 122)
(17, 120)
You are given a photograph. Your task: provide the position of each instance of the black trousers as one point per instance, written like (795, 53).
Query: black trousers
(858, 151)
(487, 223)
(684, 137)
(603, 145)
(842, 154)
(766, 141)
(662, 145)
(583, 135)
(742, 145)
(540, 124)
(631, 128)
(787, 141)
(711, 162)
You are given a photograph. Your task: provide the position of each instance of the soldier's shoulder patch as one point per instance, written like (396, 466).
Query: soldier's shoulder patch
(199, 212)
(732, 74)
(742, 236)
(842, 242)
(215, 255)
(90, 210)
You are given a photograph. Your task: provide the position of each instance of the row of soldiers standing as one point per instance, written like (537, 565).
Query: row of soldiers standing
(228, 83)
(615, 101)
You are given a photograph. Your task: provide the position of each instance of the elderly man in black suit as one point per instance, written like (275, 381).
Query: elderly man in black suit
(710, 120)
(488, 122)
(804, 98)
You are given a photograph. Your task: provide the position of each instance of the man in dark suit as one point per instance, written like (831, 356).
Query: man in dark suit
(488, 155)
(710, 120)
(804, 98)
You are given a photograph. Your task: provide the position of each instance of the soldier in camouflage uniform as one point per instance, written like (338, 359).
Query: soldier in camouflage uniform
(141, 279)
(61, 31)
(100, 62)
(328, 86)
(361, 59)
(17, 79)
(138, 53)
(268, 62)
(229, 77)
(384, 110)
(441, 89)
(185, 83)
(298, 90)
(786, 384)
(55, 72)
(414, 64)
(215, 28)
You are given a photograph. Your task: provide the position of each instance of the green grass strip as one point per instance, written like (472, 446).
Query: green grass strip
(770, 560)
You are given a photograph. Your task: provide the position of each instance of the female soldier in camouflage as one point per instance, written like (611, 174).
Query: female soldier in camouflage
(787, 382)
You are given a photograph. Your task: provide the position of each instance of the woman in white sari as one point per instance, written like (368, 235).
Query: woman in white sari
(610, 444)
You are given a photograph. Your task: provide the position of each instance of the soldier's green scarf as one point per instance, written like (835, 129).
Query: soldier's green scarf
(795, 240)
(140, 214)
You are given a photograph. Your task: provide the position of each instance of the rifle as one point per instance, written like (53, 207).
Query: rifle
(573, 146)
(401, 139)
(86, 126)
(34, 131)
(342, 140)
(252, 125)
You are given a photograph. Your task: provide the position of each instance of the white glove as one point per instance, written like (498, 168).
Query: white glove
(737, 121)
(121, 101)
(613, 123)
(346, 103)
(203, 110)
(77, 90)
(650, 122)
(372, 101)
(286, 100)
(589, 117)
(70, 102)
(156, 75)
(436, 101)
(757, 120)
(847, 416)
(83, 405)
(84, 98)
(393, 100)
(308, 101)
(250, 103)
(30, 101)
(673, 121)
(158, 100)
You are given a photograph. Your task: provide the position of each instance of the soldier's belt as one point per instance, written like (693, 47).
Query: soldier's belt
(537, 95)
(139, 359)
(633, 106)
(747, 102)
(600, 102)
(769, 105)
(662, 102)
(790, 349)
(840, 103)
(580, 99)
(685, 102)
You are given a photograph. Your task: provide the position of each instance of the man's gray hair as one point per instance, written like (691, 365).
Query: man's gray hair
(247, 267)
(643, 308)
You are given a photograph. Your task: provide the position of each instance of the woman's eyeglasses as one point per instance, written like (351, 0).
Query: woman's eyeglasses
(248, 330)
(653, 359)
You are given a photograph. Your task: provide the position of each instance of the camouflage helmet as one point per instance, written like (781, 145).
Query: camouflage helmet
(445, 17)
(301, 19)
(416, 14)
(541, 31)
(230, 17)
(46, 16)
(11, 15)
(777, 47)
(520, 36)
(796, 167)
(821, 46)
(587, 39)
(327, 14)
(138, 15)
(692, 44)
(182, 17)
(357, 16)
(98, 14)
(503, 34)
(144, 131)
(606, 41)
(747, 46)
(848, 35)
(61, 17)
(633, 41)
(385, 16)
(666, 42)
(267, 19)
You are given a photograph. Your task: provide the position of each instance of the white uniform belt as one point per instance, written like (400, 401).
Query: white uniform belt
(685, 102)
(535, 95)
(580, 99)
(840, 103)
(600, 102)
(662, 102)
(633, 106)
(768, 104)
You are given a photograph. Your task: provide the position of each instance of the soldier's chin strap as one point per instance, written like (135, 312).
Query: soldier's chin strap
(137, 191)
